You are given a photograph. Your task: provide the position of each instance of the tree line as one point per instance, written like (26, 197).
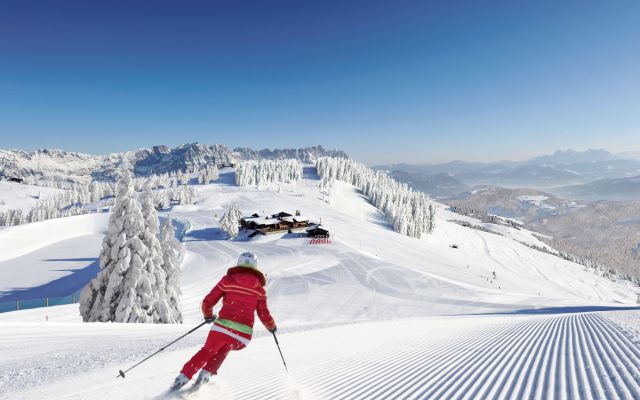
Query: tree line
(410, 213)
(264, 172)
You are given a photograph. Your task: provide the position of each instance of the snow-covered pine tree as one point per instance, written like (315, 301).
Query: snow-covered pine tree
(265, 172)
(230, 221)
(214, 173)
(208, 175)
(158, 298)
(171, 251)
(113, 294)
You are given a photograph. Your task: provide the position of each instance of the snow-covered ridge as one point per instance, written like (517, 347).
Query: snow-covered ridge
(54, 164)
(60, 165)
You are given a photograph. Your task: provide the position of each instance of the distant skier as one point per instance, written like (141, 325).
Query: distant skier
(242, 293)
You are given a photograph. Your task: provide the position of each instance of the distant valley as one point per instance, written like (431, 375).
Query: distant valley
(591, 175)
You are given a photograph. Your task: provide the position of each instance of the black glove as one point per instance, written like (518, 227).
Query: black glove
(209, 320)
(273, 330)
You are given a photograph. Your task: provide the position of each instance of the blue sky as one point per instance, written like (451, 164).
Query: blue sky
(416, 81)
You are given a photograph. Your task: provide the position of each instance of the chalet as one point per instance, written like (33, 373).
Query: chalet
(251, 222)
(318, 233)
(297, 222)
(15, 180)
(275, 223)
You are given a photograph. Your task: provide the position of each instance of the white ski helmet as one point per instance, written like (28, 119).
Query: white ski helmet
(248, 259)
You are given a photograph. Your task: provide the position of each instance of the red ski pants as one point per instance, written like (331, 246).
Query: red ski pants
(212, 354)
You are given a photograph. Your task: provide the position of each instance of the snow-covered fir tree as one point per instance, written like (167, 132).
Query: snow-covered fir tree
(158, 296)
(66, 204)
(410, 213)
(121, 290)
(12, 218)
(162, 198)
(230, 221)
(184, 178)
(171, 254)
(78, 198)
(183, 195)
(266, 172)
(208, 175)
(327, 188)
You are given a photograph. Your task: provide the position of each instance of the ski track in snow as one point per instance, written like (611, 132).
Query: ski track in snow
(534, 359)
(561, 356)
(570, 356)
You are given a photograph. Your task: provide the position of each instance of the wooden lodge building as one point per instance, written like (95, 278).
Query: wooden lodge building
(275, 223)
(318, 232)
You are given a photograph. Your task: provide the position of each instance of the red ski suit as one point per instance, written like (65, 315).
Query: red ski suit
(242, 293)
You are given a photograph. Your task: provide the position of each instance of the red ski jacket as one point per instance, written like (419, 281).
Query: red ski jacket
(242, 293)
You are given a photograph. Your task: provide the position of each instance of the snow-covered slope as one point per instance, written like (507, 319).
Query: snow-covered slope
(53, 258)
(19, 240)
(14, 196)
(572, 356)
(368, 273)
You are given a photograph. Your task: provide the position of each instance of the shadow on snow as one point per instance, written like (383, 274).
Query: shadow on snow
(65, 286)
(563, 310)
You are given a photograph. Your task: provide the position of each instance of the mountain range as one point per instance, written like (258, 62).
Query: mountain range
(54, 164)
(603, 174)
(618, 189)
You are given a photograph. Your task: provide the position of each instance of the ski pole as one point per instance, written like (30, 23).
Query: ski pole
(281, 356)
(121, 373)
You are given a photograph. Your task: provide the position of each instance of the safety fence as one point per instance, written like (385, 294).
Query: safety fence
(28, 304)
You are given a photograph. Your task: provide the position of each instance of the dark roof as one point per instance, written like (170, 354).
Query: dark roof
(318, 229)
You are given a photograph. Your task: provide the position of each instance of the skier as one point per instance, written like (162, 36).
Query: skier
(243, 294)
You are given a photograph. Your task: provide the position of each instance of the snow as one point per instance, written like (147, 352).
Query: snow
(571, 355)
(50, 271)
(375, 314)
(268, 221)
(538, 201)
(295, 219)
(20, 240)
(14, 196)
